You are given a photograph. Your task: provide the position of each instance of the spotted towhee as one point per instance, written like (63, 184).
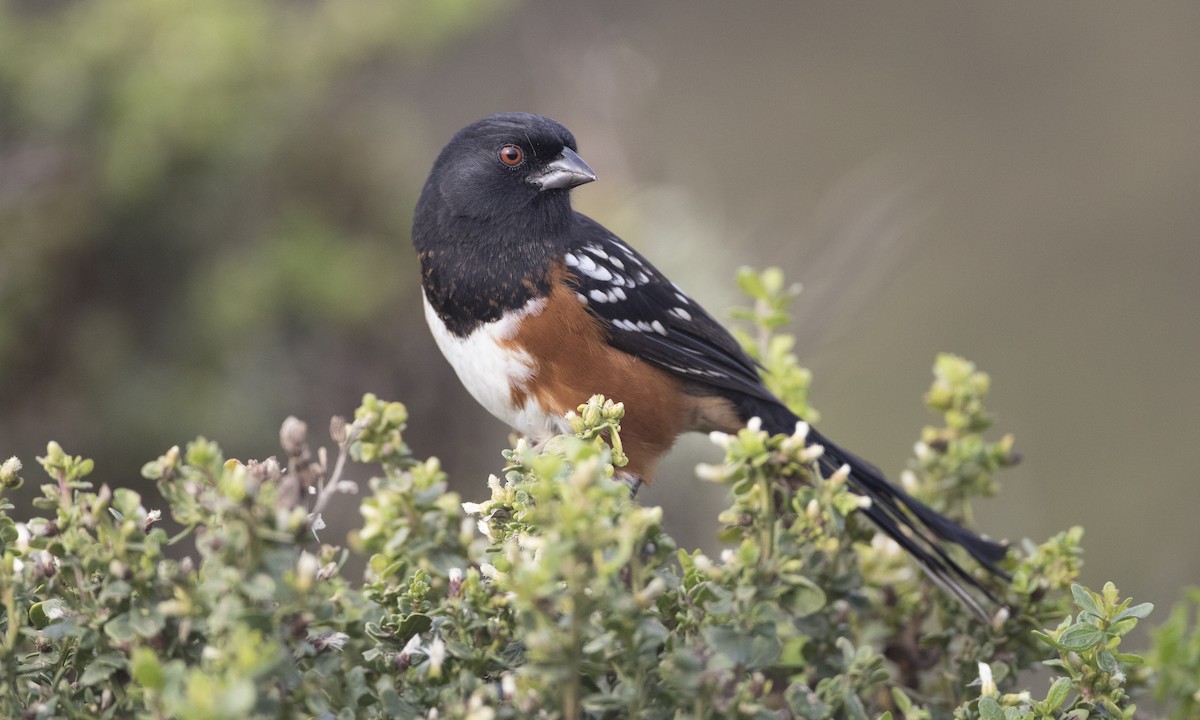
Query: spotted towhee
(538, 307)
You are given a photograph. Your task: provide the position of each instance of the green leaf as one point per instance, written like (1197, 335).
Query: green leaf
(146, 622)
(803, 702)
(750, 283)
(145, 668)
(1106, 661)
(1085, 600)
(1081, 636)
(989, 709)
(1139, 611)
(414, 624)
(804, 597)
(102, 666)
(95, 673)
(120, 628)
(1058, 694)
(737, 647)
(43, 613)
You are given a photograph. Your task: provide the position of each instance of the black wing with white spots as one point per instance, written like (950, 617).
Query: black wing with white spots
(649, 317)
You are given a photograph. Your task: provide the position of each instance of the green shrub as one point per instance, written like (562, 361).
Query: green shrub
(557, 596)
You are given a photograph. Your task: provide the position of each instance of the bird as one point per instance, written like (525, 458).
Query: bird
(538, 307)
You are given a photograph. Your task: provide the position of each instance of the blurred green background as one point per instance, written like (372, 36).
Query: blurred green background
(205, 207)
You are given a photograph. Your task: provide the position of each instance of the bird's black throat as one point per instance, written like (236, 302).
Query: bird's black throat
(475, 271)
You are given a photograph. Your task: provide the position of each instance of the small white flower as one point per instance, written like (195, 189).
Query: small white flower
(755, 424)
(1000, 618)
(886, 546)
(334, 641)
(706, 471)
(327, 571)
(863, 502)
(488, 571)
(455, 575)
(437, 654)
(727, 556)
(413, 645)
(841, 474)
(987, 686)
(508, 686)
(908, 480)
(531, 543)
(476, 710)
(484, 528)
(719, 438)
(813, 509)
(307, 567)
(703, 564)
(11, 467)
(801, 431)
(921, 450)
(317, 522)
(494, 483)
(812, 452)
(472, 508)
(653, 589)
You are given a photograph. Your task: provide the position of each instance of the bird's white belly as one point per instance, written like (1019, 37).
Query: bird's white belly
(490, 367)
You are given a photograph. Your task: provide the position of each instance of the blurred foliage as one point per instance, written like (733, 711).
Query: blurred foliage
(555, 597)
(197, 198)
(781, 369)
(1176, 659)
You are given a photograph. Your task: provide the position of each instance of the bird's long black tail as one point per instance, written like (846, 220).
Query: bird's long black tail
(912, 524)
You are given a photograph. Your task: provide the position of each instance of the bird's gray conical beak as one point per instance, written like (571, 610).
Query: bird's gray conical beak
(566, 171)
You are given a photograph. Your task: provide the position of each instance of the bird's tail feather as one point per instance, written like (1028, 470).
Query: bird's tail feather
(915, 527)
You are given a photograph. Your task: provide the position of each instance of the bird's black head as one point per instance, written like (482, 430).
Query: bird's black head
(494, 215)
(506, 164)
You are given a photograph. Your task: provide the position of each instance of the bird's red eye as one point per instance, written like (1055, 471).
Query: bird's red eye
(511, 155)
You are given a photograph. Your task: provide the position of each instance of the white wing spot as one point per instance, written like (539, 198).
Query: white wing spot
(571, 260)
(616, 262)
(658, 327)
(598, 296)
(598, 252)
(586, 264)
(681, 314)
(619, 293)
(683, 298)
(597, 272)
(643, 277)
(582, 299)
